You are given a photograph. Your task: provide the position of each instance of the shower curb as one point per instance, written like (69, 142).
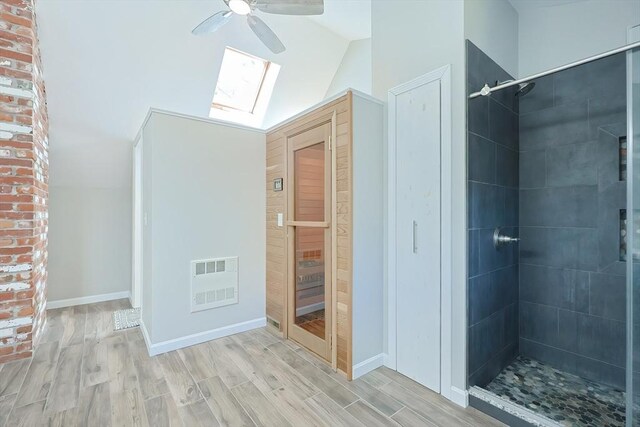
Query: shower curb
(520, 412)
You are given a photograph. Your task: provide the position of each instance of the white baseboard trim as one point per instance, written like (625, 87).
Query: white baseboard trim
(200, 337)
(87, 300)
(459, 397)
(145, 334)
(368, 365)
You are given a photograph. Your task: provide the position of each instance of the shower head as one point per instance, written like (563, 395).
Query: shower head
(525, 88)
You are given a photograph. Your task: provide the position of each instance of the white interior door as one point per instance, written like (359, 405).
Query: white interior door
(418, 237)
(136, 291)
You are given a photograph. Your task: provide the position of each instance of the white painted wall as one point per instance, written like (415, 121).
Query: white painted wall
(89, 241)
(147, 136)
(106, 63)
(355, 69)
(492, 25)
(410, 38)
(207, 201)
(555, 35)
(368, 234)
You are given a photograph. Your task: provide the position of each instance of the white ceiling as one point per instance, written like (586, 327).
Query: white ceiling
(523, 5)
(351, 19)
(106, 62)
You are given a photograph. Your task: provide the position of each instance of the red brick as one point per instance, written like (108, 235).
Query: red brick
(15, 251)
(26, 311)
(23, 22)
(14, 356)
(5, 53)
(24, 329)
(25, 294)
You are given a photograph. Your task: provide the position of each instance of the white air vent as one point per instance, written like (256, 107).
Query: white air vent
(214, 283)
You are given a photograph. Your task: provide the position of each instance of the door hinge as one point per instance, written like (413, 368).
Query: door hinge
(330, 143)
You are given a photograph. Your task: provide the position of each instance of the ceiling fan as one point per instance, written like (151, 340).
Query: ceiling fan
(257, 25)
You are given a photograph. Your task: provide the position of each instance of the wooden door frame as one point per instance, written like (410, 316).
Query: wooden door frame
(328, 117)
(443, 76)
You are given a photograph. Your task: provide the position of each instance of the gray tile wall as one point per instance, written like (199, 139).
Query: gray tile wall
(493, 202)
(572, 285)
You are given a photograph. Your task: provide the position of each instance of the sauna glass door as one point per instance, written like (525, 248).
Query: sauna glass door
(309, 290)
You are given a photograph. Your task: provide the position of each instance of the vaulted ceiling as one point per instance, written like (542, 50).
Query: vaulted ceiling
(107, 62)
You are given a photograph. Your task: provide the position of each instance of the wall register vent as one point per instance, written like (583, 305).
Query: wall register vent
(214, 283)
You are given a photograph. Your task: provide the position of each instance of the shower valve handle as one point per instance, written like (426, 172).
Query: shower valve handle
(500, 239)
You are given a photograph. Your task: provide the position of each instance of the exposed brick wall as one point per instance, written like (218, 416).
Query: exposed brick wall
(24, 172)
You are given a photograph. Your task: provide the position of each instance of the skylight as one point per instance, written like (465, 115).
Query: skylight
(244, 86)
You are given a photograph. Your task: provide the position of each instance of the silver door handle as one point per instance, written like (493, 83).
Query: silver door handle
(415, 237)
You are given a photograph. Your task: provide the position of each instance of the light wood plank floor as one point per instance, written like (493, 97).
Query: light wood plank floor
(85, 374)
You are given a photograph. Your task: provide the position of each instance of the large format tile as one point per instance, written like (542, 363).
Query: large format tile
(486, 338)
(491, 292)
(482, 159)
(162, 412)
(606, 111)
(197, 414)
(503, 125)
(572, 248)
(507, 167)
(494, 365)
(532, 169)
(486, 205)
(12, 375)
(539, 323)
(478, 116)
(65, 390)
(594, 337)
(604, 78)
(608, 296)
(38, 379)
(572, 164)
(561, 288)
(259, 408)
(539, 98)
(181, 385)
(109, 379)
(480, 298)
(368, 415)
(559, 207)
(564, 124)
(511, 207)
(319, 379)
(481, 70)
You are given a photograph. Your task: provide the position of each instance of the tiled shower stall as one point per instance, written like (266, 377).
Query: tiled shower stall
(548, 167)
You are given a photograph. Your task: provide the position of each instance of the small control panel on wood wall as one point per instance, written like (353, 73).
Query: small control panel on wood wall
(278, 184)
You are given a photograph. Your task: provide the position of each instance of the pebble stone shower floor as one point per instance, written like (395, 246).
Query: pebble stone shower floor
(568, 399)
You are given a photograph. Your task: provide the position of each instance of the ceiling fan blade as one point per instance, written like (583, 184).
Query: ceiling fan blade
(212, 23)
(291, 7)
(265, 34)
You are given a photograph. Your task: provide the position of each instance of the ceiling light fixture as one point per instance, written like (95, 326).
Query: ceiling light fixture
(240, 7)
(257, 25)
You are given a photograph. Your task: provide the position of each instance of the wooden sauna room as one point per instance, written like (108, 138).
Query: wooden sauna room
(324, 219)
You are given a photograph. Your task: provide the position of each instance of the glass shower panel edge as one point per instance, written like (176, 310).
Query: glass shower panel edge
(633, 219)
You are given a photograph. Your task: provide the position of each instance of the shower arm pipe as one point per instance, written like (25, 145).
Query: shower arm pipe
(486, 90)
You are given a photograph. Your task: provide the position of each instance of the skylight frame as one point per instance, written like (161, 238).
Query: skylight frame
(256, 96)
